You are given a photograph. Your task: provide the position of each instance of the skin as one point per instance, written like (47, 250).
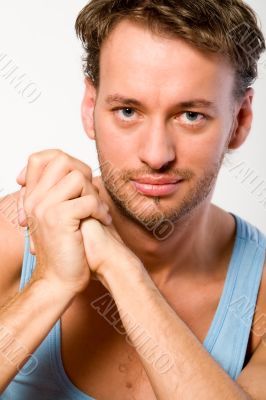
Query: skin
(160, 135)
(156, 141)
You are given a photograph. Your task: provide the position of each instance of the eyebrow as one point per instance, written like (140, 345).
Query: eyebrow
(195, 103)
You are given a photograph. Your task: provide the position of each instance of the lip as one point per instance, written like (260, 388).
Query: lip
(156, 189)
(159, 180)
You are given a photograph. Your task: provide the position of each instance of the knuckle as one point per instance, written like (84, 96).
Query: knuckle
(52, 152)
(89, 171)
(61, 157)
(56, 151)
(34, 159)
(78, 176)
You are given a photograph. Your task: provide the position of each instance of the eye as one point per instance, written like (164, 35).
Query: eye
(125, 114)
(193, 118)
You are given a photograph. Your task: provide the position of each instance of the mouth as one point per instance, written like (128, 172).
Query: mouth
(166, 187)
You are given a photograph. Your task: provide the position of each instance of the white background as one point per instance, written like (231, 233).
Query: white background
(38, 36)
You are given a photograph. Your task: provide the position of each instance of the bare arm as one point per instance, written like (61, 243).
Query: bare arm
(25, 317)
(24, 323)
(190, 372)
(55, 202)
(176, 363)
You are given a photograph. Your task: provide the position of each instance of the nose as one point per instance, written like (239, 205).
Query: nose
(157, 148)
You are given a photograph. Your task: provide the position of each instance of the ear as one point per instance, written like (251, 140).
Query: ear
(87, 108)
(244, 117)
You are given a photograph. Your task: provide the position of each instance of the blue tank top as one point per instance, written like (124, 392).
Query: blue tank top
(43, 376)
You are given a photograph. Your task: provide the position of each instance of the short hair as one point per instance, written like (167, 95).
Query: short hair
(226, 27)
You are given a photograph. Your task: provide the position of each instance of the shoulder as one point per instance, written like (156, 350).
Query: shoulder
(252, 377)
(257, 260)
(259, 322)
(11, 246)
(258, 328)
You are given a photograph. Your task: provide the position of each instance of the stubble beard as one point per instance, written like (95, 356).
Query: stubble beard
(149, 211)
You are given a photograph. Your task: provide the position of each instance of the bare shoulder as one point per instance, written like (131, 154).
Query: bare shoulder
(252, 377)
(11, 247)
(259, 321)
(258, 329)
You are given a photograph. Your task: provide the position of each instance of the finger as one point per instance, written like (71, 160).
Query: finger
(21, 178)
(87, 207)
(39, 162)
(36, 165)
(32, 247)
(72, 186)
(70, 213)
(54, 172)
(77, 209)
(22, 218)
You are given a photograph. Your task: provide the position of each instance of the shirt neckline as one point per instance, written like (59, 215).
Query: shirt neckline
(215, 327)
(227, 292)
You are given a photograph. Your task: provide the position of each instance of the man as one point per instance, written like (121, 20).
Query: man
(132, 284)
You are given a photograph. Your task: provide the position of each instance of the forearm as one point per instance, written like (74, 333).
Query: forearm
(176, 363)
(24, 323)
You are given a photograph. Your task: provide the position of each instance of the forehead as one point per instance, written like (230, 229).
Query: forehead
(138, 62)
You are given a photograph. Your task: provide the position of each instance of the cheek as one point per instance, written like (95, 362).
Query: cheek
(114, 144)
(201, 151)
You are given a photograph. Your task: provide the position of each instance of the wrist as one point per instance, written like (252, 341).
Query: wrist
(123, 270)
(57, 292)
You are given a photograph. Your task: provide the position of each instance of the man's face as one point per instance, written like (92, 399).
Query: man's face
(160, 135)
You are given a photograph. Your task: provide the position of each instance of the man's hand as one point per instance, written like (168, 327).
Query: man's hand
(69, 223)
